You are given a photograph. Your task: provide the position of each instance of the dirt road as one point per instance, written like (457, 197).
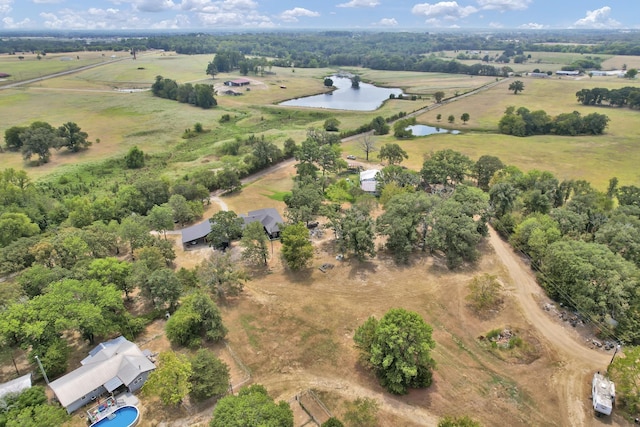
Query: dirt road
(577, 361)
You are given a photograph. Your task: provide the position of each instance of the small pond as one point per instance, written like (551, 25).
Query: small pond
(367, 98)
(424, 130)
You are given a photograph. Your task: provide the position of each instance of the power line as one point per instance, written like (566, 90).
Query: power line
(604, 329)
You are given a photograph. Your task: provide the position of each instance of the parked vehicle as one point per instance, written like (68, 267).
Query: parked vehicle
(603, 394)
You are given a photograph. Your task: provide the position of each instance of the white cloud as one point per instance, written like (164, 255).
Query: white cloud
(234, 19)
(9, 23)
(47, 1)
(387, 22)
(495, 25)
(93, 18)
(533, 26)
(598, 18)
(225, 13)
(504, 5)
(444, 9)
(292, 15)
(238, 4)
(180, 21)
(5, 6)
(360, 3)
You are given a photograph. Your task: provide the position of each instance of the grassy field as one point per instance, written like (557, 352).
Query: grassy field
(122, 119)
(545, 61)
(31, 67)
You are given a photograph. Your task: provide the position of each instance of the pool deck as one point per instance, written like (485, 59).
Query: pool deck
(110, 405)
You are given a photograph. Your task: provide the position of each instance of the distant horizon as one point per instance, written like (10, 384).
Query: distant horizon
(287, 15)
(47, 33)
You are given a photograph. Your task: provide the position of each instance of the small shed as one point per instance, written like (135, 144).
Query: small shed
(4, 75)
(232, 92)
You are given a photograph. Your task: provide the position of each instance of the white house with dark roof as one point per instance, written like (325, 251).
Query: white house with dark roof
(270, 219)
(114, 365)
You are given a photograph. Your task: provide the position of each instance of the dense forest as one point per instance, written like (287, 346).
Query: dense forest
(383, 50)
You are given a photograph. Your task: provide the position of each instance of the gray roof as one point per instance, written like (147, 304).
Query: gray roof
(196, 232)
(269, 217)
(16, 386)
(115, 358)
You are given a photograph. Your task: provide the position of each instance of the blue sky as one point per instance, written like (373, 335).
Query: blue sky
(339, 14)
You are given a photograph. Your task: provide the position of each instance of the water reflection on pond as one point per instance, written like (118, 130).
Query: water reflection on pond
(367, 98)
(423, 130)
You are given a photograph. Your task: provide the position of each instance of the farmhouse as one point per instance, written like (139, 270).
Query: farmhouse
(16, 386)
(196, 234)
(270, 219)
(237, 82)
(115, 365)
(368, 181)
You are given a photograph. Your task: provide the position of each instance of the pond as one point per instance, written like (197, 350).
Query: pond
(424, 130)
(367, 98)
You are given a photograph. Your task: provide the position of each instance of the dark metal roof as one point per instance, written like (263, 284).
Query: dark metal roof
(269, 217)
(195, 232)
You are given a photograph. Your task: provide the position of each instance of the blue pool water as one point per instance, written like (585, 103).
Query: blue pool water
(124, 417)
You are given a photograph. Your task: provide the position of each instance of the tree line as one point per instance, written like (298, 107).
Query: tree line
(200, 95)
(523, 122)
(39, 138)
(626, 96)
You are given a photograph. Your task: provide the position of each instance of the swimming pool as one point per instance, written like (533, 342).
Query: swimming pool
(126, 416)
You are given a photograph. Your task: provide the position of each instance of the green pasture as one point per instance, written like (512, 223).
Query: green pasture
(554, 95)
(592, 158)
(425, 84)
(30, 67)
(122, 119)
(545, 61)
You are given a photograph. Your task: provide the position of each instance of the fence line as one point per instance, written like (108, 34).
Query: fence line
(243, 367)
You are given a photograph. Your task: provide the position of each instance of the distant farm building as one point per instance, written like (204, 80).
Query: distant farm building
(612, 73)
(269, 218)
(237, 82)
(568, 73)
(368, 181)
(232, 92)
(539, 75)
(4, 75)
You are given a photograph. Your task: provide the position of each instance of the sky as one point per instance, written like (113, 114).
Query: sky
(253, 15)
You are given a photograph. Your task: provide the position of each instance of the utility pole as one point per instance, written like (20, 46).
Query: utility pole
(44, 374)
(614, 355)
